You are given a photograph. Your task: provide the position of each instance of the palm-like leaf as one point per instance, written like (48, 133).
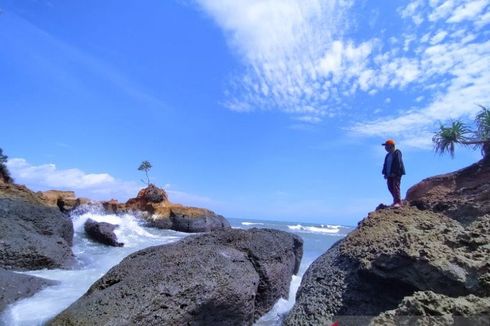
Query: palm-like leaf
(445, 139)
(482, 121)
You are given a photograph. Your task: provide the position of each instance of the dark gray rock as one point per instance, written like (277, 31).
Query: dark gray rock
(391, 255)
(192, 223)
(33, 236)
(228, 277)
(14, 286)
(275, 255)
(102, 232)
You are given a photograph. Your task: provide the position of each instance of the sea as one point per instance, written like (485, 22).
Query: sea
(94, 260)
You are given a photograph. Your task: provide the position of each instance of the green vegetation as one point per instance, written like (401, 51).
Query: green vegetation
(145, 166)
(4, 172)
(446, 138)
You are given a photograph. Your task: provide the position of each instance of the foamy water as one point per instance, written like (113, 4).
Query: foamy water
(94, 260)
(331, 229)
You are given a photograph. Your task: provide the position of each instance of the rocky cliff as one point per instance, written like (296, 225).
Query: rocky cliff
(426, 262)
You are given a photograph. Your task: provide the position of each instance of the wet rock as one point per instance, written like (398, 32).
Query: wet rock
(227, 277)
(102, 232)
(14, 286)
(32, 235)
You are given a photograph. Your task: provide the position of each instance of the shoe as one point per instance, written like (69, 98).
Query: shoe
(397, 205)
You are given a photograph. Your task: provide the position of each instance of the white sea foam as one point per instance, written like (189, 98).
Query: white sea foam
(252, 223)
(282, 306)
(94, 260)
(330, 229)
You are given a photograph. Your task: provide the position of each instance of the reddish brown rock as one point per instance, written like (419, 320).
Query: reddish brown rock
(152, 204)
(463, 195)
(66, 201)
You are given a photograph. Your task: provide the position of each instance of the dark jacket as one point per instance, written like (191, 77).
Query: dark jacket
(397, 167)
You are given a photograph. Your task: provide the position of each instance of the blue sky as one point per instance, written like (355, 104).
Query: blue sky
(260, 109)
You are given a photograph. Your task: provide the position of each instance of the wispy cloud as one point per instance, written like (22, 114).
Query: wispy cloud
(286, 47)
(300, 57)
(452, 59)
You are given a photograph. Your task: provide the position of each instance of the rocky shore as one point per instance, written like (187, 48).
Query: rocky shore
(423, 264)
(426, 263)
(227, 277)
(221, 276)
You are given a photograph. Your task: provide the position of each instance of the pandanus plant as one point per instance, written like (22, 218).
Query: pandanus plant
(446, 138)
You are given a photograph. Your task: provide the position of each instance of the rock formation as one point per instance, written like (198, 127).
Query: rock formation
(227, 277)
(66, 201)
(439, 245)
(32, 235)
(152, 205)
(14, 286)
(462, 195)
(102, 232)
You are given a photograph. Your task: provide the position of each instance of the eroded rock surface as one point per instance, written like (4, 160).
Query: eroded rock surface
(432, 309)
(463, 195)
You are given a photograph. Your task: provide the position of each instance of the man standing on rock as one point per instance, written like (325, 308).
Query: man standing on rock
(393, 169)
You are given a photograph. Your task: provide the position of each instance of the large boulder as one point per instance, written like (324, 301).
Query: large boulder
(227, 277)
(32, 235)
(463, 195)
(102, 232)
(392, 254)
(14, 286)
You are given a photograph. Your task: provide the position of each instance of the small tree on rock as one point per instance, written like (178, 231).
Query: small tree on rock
(145, 166)
(459, 133)
(4, 172)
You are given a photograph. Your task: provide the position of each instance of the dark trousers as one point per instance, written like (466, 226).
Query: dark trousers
(394, 188)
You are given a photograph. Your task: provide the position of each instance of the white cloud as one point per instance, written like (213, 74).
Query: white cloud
(438, 37)
(92, 185)
(455, 70)
(468, 11)
(298, 59)
(97, 186)
(289, 48)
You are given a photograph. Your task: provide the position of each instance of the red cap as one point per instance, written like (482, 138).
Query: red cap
(389, 142)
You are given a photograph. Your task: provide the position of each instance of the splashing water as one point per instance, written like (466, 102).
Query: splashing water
(93, 261)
